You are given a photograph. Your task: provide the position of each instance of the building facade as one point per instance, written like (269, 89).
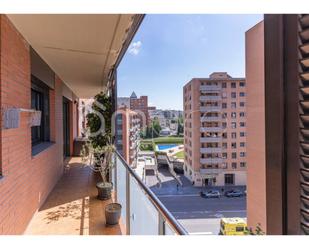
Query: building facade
(140, 104)
(215, 130)
(128, 128)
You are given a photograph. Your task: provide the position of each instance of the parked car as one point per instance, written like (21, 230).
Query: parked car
(212, 194)
(234, 193)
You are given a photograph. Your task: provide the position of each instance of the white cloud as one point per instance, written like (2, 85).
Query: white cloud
(135, 48)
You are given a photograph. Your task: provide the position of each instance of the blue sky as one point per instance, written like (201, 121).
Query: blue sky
(169, 50)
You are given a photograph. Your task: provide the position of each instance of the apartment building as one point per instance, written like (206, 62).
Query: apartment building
(277, 73)
(140, 104)
(215, 130)
(128, 127)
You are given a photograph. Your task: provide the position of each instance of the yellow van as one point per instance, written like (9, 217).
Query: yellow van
(233, 226)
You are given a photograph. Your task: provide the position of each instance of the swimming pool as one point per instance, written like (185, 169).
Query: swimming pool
(166, 146)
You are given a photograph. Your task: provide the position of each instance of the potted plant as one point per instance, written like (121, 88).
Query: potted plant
(106, 164)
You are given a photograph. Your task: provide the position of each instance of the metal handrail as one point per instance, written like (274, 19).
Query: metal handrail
(178, 228)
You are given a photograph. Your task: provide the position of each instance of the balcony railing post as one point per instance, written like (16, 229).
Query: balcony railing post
(161, 225)
(128, 211)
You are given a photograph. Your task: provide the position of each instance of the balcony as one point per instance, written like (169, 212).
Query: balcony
(210, 171)
(211, 160)
(211, 129)
(211, 150)
(210, 139)
(73, 209)
(211, 119)
(210, 88)
(210, 109)
(210, 98)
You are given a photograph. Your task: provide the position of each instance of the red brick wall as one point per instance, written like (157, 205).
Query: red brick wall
(26, 180)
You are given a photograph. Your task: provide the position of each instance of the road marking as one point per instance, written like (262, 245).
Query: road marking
(178, 195)
(201, 233)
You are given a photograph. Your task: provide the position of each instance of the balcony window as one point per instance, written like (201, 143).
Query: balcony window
(40, 102)
(242, 84)
(229, 179)
(242, 164)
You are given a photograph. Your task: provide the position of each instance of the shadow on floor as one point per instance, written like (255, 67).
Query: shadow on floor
(72, 207)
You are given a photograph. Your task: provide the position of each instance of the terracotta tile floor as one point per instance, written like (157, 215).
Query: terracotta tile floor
(72, 207)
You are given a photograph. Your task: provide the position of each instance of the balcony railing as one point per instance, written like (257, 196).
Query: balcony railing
(142, 211)
(211, 139)
(210, 88)
(210, 98)
(210, 171)
(210, 108)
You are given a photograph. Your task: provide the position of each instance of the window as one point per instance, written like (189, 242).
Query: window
(234, 165)
(229, 179)
(224, 105)
(241, 114)
(234, 135)
(242, 84)
(224, 115)
(242, 154)
(233, 114)
(233, 85)
(242, 164)
(233, 125)
(242, 134)
(224, 145)
(234, 155)
(223, 84)
(224, 165)
(224, 125)
(242, 94)
(234, 146)
(242, 144)
(224, 155)
(233, 95)
(242, 104)
(233, 104)
(224, 135)
(242, 124)
(40, 102)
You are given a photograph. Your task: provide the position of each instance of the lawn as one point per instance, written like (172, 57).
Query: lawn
(180, 154)
(166, 140)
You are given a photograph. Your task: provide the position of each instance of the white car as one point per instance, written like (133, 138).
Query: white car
(212, 194)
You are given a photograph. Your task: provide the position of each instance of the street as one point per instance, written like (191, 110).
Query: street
(198, 215)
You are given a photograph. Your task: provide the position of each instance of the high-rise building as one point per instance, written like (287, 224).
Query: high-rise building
(215, 130)
(277, 73)
(128, 124)
(140, 104)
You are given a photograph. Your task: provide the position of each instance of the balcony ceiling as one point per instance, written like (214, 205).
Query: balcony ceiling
(81, 49)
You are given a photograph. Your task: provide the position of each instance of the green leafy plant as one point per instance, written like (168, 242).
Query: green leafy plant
(102, 105)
